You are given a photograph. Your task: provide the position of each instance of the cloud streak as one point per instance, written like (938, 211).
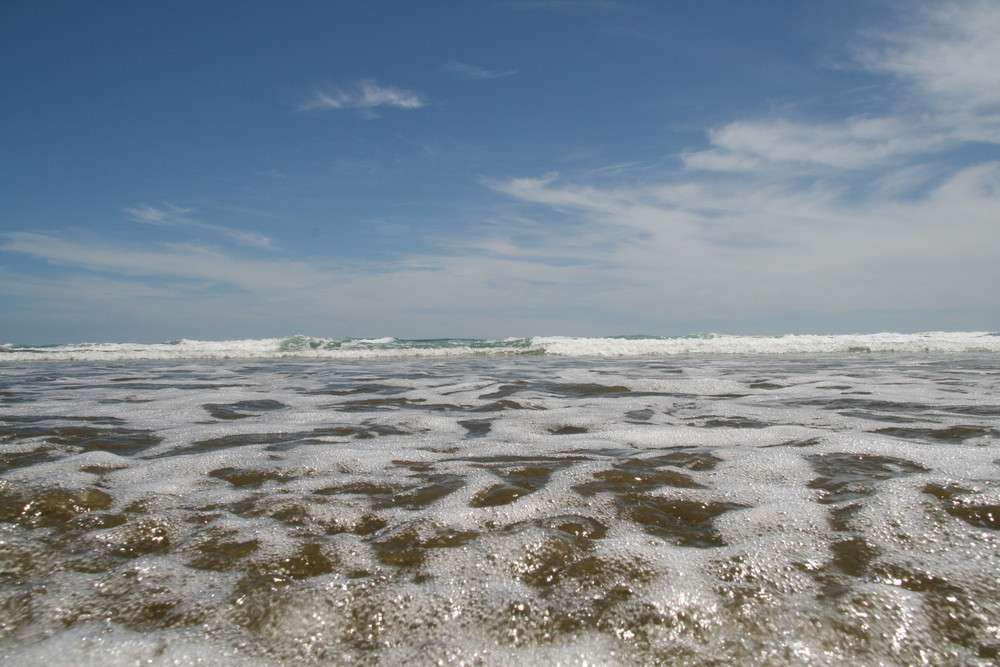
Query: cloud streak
(174, 216)
(367, 95)
(947, 63)
(949, 55)
(785, 223)
(773, 217)
(473, 72)
(858, 142)
(642, 257)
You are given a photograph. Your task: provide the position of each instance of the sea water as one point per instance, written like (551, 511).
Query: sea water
(702, 500)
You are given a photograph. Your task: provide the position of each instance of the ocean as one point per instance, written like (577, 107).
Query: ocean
(637, 500)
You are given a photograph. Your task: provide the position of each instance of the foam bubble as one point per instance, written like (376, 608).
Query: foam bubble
(635, 510)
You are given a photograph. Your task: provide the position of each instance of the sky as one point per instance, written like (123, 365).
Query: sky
(447, 168)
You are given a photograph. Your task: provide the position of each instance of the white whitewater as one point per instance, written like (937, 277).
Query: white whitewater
(306, 347)
(771, 508)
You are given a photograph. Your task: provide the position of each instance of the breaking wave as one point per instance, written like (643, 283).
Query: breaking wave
(308, 347)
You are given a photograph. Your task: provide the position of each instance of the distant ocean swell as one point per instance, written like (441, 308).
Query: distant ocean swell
(306, 347)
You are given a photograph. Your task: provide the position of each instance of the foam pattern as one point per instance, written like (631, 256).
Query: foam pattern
(691, 509)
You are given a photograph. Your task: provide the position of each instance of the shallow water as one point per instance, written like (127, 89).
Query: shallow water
(784, 509)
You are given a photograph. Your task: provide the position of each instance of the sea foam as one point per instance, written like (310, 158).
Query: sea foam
(778, 509)
(306, 347)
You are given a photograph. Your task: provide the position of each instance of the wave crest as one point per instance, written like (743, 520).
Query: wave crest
(307, 347)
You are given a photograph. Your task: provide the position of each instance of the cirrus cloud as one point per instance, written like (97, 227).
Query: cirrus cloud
(177, 217)
(365, 95)
(474, 72)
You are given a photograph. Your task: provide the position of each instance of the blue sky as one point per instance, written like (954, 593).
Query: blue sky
(486, 169)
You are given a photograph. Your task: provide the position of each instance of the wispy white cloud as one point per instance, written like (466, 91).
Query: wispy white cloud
(179, 261)
(857, 142)
(592, 253)
(169, 216)
(589, 257)
(946, 62)
(953, 53)
(366, 95)
(473, 72)
(568, 4)
(499, 293)
(949, 55)
(716, 159)
(757, 239)
(743, 247)
(175, 216)
(83, 289)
